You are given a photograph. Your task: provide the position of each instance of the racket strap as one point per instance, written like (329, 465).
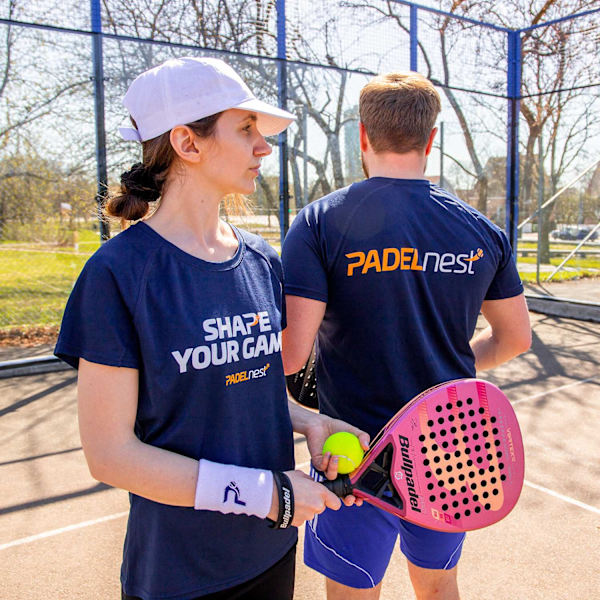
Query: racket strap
(286, 501)
(233, 489)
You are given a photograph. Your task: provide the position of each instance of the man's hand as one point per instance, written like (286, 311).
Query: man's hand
(317, 428)
(316, 434)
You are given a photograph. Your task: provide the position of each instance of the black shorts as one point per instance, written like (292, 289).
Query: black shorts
(276, 583)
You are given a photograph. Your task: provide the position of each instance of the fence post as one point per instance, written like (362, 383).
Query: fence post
(101, 170)
(512, 154)
(284, 193)
(414, 38)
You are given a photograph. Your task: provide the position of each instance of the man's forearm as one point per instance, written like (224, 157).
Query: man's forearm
(491, 351)
(301, 417)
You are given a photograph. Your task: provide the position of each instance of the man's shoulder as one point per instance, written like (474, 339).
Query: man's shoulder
(453, 203)
(330, 201)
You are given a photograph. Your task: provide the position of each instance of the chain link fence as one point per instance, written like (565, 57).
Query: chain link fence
(65, 66)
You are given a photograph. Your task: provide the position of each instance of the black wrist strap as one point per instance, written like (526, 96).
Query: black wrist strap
(285, 493)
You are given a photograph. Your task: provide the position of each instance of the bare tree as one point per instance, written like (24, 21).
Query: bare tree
(43, 89)
(549, 64)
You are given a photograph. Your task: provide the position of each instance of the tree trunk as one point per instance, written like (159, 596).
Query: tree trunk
(336, 160)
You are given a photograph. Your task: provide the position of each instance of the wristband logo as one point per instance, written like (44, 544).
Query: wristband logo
(242, 376)
(233, 488)
(287, 506)
(408, 259)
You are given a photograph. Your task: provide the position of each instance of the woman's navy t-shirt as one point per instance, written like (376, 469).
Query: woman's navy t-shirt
(206, 339)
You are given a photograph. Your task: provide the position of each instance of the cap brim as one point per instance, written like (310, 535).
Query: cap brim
(269, 119)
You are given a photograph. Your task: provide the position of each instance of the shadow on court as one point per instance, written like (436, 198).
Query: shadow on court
(61, 532)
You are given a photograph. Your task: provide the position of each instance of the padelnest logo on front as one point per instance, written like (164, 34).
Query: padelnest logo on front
(409, 259)
(248, 375)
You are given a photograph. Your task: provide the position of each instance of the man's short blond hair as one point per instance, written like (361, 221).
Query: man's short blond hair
(398, 111)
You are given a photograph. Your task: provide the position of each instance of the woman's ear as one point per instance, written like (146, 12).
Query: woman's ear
(186, 143)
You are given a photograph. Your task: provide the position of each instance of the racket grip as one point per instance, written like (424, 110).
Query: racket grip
(340, 486)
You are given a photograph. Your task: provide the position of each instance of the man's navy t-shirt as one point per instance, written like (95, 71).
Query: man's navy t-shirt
(206, 340)
(404, 267)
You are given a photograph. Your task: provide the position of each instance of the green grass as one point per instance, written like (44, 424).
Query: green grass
(34, 286)
(560, 276)
(35, 281)
(577, 263)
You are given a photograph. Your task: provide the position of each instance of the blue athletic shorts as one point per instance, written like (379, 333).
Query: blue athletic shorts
(353, 545)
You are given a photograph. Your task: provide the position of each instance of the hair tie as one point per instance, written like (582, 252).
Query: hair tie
(140, 182)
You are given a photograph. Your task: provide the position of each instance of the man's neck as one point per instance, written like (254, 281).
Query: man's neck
(397, 166)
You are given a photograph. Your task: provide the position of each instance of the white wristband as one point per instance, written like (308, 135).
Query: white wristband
(233, 489)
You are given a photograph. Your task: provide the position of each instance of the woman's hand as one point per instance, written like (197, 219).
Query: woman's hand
(310, 498)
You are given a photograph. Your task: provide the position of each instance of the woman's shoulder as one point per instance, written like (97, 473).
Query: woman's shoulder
(259, 247)
(129, 246)
(121, 260)
(258, 244)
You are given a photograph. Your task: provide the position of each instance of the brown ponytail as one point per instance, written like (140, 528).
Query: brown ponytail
(145, 181)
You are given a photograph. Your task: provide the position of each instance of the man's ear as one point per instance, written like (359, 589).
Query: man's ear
(430, 142)
(363, 137)
(185, 143)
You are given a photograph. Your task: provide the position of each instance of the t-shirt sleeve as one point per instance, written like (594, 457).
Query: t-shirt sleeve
(275, 264)
(304, 267)
(506, 282)
(97, 324)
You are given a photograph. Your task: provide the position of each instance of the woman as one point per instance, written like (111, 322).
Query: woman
(175, 326)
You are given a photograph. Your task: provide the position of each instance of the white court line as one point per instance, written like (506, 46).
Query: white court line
(561, 497)
(40, 536)
(562, 387)
(534, 486)
(46, 534)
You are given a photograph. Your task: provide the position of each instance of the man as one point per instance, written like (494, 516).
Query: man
(392, 273)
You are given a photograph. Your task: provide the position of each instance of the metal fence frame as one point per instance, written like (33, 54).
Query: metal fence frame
(513, 95)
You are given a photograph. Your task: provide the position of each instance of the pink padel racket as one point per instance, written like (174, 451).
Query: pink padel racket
(451, 459)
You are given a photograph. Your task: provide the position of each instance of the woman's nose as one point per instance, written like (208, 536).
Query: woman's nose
(262, 148)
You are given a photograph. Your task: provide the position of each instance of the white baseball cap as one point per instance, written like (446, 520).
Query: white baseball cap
(183, 90)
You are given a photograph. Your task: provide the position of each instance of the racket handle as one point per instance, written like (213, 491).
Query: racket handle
(340, 486)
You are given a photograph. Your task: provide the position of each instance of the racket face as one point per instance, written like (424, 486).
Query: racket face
(454, 456)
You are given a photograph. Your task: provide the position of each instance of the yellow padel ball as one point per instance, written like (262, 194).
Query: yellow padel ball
(347, 447)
